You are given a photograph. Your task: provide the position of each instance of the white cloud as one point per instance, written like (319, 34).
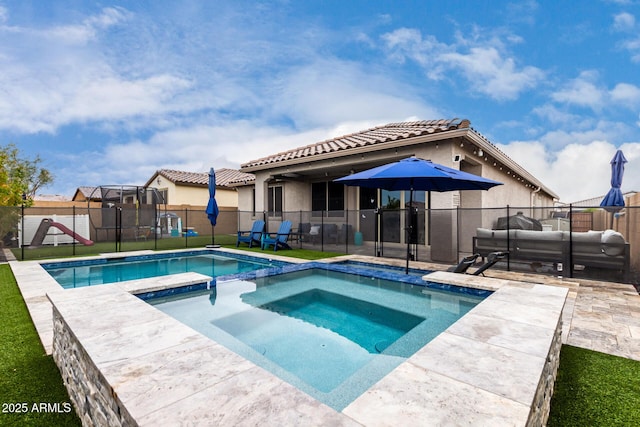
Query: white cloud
(626, 93)
(582, 91)
(327, 92)
(483, 62)
(576, 171)
(495, 76)
(624, 22)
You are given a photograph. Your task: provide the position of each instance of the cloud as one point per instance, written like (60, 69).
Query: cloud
(331, 91)
(576, 171)
(624, 22)
(582, 91)
(496, 76)
(626, 93)
(484, 62)
(65, 75)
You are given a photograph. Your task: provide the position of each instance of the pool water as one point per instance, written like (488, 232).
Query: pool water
(97, 272)
(330, 334)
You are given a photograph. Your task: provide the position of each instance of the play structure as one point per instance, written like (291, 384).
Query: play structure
(43, 231)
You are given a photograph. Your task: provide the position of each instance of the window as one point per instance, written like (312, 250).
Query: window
(327, 196)
(274, 201)
(368, 198)
(164, 196)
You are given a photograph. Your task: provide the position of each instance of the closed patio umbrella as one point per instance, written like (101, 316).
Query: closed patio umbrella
(614, 200)
(212, 207)
(417, 174)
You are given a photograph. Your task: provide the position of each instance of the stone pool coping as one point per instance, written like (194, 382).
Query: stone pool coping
(159, 370)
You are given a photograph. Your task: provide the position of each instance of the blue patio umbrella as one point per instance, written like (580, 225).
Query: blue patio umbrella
(614, 200)
(212, 207)
(417, 174)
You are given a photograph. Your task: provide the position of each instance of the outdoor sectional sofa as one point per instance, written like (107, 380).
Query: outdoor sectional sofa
(599, 249)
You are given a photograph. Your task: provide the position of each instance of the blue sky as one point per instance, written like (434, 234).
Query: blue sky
(109, 92)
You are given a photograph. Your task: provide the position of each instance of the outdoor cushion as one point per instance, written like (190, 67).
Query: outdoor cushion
(540, 241)
(585, 243)
(484, 233)
(315, 229)
(502, 234)
(610, 237)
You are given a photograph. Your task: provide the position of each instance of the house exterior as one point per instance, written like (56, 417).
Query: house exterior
(192, 188)
(301, 179)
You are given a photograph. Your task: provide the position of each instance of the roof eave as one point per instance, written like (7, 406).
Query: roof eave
(438, 136)
(497, 154)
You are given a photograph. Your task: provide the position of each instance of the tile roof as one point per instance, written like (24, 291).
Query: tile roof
(375, 135)
(394, 132)
(224, 177)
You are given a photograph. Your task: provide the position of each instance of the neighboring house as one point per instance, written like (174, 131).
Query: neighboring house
(192, 188)
(301, 179)
(84, 194)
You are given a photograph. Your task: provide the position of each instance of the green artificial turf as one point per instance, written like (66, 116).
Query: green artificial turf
(227, 241)
(28, 376)
(595, 389)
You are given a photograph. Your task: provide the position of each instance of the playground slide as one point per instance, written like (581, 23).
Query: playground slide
(43, 229)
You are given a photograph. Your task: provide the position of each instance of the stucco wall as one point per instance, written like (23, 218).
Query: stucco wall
(199, 196)
(513, 192)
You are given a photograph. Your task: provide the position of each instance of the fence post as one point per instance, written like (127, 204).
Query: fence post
(322, 230)
(186, 227)
(570, 240)
(346, 234)
(508, 241)
(155, 223)
(457, 233)
(73, 241)
(24, 197)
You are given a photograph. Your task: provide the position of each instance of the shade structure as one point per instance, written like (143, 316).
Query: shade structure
(614, 200)
(417, 174)
(212, 206)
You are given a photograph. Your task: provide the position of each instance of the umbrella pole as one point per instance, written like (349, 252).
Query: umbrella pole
(212, 236)
(408, 228)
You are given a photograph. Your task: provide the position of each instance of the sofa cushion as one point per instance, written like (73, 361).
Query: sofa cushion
(585, 242)
(586, 237)
(484, 233)
(611, 238)
(539, 235)
(502, 234)
(539, 241)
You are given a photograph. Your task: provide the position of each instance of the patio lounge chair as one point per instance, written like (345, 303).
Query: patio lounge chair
(278, 239)
(492, 258)
(253, 236)
(464, 265)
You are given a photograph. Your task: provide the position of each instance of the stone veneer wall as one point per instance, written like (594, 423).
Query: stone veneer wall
(90, 393)
(541, 405)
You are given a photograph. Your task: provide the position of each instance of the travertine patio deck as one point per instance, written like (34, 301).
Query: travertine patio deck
(603, 317)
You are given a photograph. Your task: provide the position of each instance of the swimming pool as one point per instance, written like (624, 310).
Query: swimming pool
(329, 333)
(73, 274)
(383, 267)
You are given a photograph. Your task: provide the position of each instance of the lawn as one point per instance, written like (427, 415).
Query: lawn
(227, 241)
(595, 389)
(31, 389)
(592, 389)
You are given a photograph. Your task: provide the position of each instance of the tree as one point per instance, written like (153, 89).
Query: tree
(19, 180)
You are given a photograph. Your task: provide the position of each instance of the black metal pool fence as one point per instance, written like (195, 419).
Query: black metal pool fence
(568, 241)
